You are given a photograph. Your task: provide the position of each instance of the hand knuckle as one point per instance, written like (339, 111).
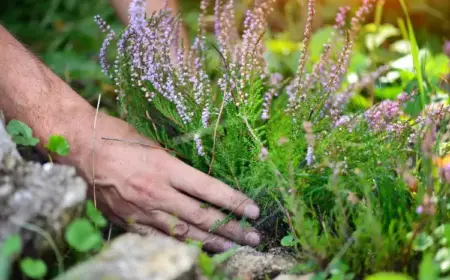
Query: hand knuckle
(143, 185)
(158, 161)
(232, 229)
(200, 218)
(180, 230)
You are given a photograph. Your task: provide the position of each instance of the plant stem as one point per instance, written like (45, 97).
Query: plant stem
(46, 235)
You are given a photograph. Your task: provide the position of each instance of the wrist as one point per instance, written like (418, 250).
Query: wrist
(70, 118)
(86, 136)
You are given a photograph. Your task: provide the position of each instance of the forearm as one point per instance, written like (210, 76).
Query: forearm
(31, 93)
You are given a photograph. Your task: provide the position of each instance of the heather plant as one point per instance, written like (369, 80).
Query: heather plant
(358, 192)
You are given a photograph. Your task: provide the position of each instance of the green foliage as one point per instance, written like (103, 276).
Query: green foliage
(415, 54)
(388, 276)
(421, 242)
(95, 215)
(441, 263)
(211, 265)
(379, 35)
(351, 191)
(206, 264)
(33, 268)
(58, 144)
(64, 36)
(428, 269)
(367, 206)
(83, 236)
(288, 241)
(21, 133)
(11, 247)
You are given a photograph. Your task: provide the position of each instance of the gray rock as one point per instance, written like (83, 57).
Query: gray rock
(132, 256)
(33, 195)
(247, 263)
(295, 277)
(7, 146)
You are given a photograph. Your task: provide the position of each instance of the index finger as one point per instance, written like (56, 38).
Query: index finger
(197, 184)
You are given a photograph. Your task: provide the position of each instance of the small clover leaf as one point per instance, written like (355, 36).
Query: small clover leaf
(422, 242)
(21, 133)
(12, 246)
(33, 268)
(288, 241)
(95, 215)
(83, 236)
(58, 144)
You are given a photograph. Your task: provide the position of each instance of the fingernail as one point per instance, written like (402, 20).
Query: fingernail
(252, 211)
(228, 246)
(252, 239)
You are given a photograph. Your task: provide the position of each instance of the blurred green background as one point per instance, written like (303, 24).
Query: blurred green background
(63, 34)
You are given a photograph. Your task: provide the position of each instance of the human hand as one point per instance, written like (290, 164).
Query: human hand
(145, 189)
(138, 187)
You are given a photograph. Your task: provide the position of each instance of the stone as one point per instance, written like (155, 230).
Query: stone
(131, 256)
(33, 195)
(295, 277)
(247, 263)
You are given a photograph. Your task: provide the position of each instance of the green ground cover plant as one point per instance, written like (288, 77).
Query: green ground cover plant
(83, 235)
(361, 189)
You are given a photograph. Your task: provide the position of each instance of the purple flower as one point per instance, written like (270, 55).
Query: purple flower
(268, 97)
(103, 52)
(275, 79)
(445, 173)
(383, 115)
(205, 115)
(251, 53)
(403, 97)
(264, 154)
(419, 209)
(336, 102)
(199, 145)
(104, 27)
(136, 14)
(148, 44)
(341, 18)
(361, 15)
(310, 156)
(446, 48)
(294, 89)
(225, 28)
(111, 35)
(342, 121)
(339, 69)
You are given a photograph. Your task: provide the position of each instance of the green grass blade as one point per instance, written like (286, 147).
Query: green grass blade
(379, 12)
(414, 53)
(402, 27)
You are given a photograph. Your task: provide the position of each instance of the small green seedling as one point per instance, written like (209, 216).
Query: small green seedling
(210, 266)
(21, 133)
(58, 144)
(288, 241)
(83, 236)
(95, 215)
(11, 247)
(33, 268)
